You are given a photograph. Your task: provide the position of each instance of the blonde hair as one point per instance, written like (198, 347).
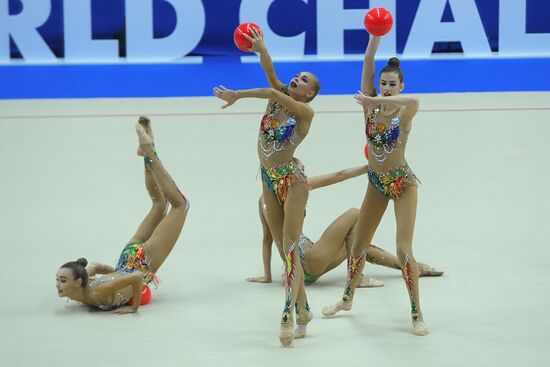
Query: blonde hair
(315, 88)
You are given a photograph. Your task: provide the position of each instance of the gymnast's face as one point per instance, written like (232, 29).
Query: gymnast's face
(65, 283)
(303, 85)
(389, 84)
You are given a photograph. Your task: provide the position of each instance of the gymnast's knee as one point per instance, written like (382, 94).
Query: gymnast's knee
(181, 203)
(404, 255)
(290, 243)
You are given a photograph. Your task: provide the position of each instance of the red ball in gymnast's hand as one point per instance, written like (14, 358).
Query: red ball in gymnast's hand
(145, 297)
(240, 41)
(367, 151)
(378, 21)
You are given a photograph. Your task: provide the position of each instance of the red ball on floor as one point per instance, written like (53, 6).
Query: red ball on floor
(145, 297)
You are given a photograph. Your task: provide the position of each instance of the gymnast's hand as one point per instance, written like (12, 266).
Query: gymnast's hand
(257, 39)
(263, 279)
(365, 101)
(228, 95)
(125, 309)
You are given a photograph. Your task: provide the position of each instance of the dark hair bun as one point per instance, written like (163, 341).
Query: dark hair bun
(82, 262)
(393, 62)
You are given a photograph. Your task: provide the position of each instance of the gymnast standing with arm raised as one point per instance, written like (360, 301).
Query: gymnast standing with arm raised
(388, 121)
(284, 126)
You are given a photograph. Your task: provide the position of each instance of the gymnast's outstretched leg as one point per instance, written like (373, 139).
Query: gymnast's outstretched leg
(164, 236)
(159, 203)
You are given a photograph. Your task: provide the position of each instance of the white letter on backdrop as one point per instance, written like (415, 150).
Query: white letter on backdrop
(512, 35)
(79, 44)
(22, 29)
(427, 28)
(141, 45)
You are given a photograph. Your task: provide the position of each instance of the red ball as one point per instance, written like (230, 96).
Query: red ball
(145, 297)
(367, 151)
(378, 21)
(240, 41)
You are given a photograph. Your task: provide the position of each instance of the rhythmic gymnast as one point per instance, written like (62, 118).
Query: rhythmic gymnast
(388, 119)
(111, 288)
(284, 126)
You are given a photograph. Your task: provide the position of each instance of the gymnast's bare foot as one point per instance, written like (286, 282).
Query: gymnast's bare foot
(367, 282)
(419, 328)
(143, 129)
(146, 123)
(335, 308)
(263, 279)
(430, 271)
(286, 334)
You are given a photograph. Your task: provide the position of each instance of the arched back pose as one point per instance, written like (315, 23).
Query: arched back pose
(388, 121)
(109, 288)
(285, 124)
(334, 246)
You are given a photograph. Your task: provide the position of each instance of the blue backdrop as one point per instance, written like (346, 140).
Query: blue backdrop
(223, 16)
(221, 63)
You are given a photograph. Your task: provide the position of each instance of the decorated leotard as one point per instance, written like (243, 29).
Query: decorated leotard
(281, 177)
(119, 298)
(276, 136)
(132, 258)
(392, 183)
(383, 141)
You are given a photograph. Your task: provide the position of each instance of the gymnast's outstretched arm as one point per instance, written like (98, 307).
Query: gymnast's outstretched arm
(332, 178)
